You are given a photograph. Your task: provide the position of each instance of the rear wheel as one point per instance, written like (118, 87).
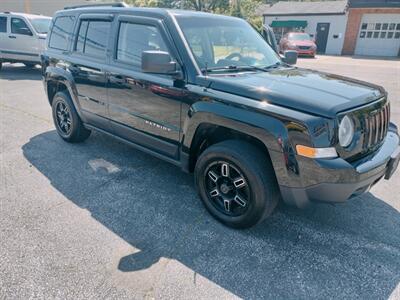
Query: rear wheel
(236, 183)
(68, 124)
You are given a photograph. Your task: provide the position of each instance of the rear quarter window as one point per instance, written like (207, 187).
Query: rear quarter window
(3, 24)
(61, 32)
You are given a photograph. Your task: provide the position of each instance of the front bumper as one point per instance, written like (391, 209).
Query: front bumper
(336, 180)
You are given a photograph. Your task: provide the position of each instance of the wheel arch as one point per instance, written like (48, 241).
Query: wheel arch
(210, 123)
(57, 80)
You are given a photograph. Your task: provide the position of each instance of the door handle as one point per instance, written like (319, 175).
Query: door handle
(12, 37)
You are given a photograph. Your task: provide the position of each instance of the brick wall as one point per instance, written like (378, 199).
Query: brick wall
(353, 25)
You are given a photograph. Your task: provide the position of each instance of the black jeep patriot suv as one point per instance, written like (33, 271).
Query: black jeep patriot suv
(208, 94)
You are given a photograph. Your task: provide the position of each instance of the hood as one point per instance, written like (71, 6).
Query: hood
(301, 89)
(302, 43)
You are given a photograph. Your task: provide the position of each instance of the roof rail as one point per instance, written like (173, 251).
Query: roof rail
(115, 4)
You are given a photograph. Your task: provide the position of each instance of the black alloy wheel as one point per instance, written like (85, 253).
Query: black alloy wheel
(68, 124)
(63, 116)
(227, 188)
(236, 183)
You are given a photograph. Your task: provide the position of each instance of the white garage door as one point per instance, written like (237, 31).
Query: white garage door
(379, 35)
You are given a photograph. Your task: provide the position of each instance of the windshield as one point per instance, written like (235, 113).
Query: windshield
(224, 42)
(299, 37)
(41, 25)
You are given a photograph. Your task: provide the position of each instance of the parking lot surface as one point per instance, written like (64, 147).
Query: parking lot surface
(102, 220)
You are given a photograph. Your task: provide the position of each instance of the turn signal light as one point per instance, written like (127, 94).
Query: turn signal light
(316, 152)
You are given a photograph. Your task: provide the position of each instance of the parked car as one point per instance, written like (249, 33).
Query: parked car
(209, 95)
(300, 42)
(22, 37)
(289, 56)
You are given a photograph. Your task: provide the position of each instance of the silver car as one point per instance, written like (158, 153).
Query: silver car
(22, 37)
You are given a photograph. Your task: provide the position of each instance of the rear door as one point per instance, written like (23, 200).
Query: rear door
(88, 60)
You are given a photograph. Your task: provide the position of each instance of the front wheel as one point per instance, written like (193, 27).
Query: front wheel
(236, 183)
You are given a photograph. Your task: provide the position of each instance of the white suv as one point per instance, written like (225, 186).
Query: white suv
(22, 37)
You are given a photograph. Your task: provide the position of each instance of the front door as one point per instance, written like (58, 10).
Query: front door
(322, 37)
(21, 43)
(144, 108)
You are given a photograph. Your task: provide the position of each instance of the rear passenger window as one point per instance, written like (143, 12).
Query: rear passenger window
(3, 24)
(61, 32)
(133, 39)
(93, 37)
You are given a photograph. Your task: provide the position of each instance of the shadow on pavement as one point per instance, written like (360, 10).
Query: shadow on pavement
(346, 251)
(20, 72)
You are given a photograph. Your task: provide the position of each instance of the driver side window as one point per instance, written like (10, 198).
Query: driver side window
(18, 26)
(133, 39)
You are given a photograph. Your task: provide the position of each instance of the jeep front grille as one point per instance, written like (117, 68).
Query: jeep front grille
(376, 125)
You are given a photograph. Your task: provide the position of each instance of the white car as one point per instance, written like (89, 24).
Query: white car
(22, 37)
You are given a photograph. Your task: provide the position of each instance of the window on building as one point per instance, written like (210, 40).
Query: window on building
(133, 39)
(390, 34)
(61, 33)
(369, 34)
(362, 34)
(385, 26)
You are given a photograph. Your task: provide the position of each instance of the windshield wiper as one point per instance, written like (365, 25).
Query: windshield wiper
(233, 68)
(274, 66)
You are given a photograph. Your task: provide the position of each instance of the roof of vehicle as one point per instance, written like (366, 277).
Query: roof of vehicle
(161, 12)
(30, 16)
(285, 8)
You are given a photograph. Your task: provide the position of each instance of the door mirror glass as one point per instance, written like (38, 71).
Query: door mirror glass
(290, 57)
(158, 62)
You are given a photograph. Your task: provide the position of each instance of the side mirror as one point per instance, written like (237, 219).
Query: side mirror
(290, 57)
(25, 31)
(158, 62)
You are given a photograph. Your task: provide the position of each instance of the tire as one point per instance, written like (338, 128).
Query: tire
(66, 120)
(1, 65)
(258, 195)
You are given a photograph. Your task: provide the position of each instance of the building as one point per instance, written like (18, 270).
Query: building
(373, 28)
(41, 7)
(325, 21)
(361, 27)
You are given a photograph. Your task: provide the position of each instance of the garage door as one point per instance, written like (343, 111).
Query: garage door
(379, 35)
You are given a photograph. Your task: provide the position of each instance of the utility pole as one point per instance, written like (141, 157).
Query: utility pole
(27, 6)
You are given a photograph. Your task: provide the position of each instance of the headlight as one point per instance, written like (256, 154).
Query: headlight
(346, 131)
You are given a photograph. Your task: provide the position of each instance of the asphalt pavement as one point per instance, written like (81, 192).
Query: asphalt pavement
(100, 220)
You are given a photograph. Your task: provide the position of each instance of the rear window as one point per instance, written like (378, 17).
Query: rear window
(3, 24)
(61, 32)
(93, 37)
